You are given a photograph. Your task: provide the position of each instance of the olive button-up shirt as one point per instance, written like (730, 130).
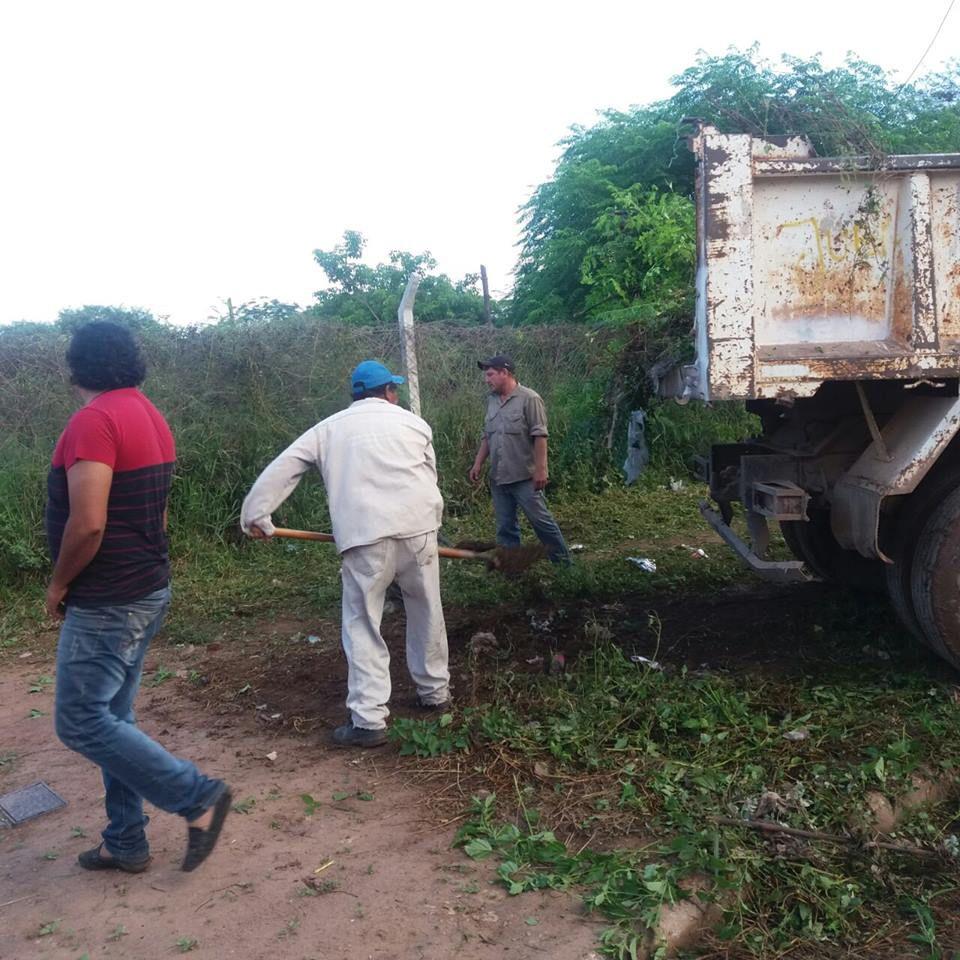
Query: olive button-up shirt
(510, 427)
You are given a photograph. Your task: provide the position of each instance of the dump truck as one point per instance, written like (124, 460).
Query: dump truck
(828, 299)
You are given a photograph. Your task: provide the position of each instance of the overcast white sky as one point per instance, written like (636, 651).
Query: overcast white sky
(168, 155)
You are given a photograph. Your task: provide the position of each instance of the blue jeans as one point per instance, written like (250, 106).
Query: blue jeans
(506, 498)
(99, 663)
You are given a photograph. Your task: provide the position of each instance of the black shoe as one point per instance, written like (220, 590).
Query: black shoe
(94, 860)
(200, 842)
(350, 736)
(443, 707)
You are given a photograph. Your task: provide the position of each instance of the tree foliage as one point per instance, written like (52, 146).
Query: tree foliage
(259, 310)
(133, 317)
(359, 293)
(611, 235)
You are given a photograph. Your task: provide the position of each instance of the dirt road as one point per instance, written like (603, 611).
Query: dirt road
(387, 884)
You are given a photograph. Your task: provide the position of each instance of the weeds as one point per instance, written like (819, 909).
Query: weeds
(340, 795)
(428, 738)
(160, 675)
(677, 753)
(313, 887)
(41, 684)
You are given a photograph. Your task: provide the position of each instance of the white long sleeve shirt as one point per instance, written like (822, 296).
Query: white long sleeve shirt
(379, 468)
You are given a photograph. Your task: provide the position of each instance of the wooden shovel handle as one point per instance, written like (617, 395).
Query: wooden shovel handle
(452, 553)
(303, 535)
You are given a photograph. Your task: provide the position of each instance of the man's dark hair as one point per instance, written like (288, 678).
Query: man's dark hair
(105, 356)
(380, 392)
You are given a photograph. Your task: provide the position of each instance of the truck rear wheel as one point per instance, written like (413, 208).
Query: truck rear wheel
(934, 579)
(900, 541)
(813, 542)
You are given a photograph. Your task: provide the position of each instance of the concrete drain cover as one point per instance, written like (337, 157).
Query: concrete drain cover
(29, 802)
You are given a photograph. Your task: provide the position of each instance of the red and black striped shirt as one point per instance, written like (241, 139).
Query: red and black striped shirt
(125, 431)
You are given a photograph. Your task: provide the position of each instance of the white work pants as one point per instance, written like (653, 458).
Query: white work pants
(367, 572)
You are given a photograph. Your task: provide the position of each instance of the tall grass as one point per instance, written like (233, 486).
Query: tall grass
(235, 396)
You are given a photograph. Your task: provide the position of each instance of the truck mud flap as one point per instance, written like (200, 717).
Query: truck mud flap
(777, 571)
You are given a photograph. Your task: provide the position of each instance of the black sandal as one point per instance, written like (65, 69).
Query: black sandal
(200, 842)
(95, 860)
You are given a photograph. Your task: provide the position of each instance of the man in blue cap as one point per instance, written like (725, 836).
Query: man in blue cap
(379, 469)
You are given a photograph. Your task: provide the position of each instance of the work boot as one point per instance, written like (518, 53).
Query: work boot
(350, 736)
(443, 707)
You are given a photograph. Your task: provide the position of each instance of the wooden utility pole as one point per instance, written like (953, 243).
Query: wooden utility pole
(486, 296)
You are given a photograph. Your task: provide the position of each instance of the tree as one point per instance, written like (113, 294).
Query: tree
(358, 293)
(133, 317)
(610, 235)
(258, 310)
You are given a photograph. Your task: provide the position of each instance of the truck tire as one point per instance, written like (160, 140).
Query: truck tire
(900, 541)
(812, 541)
(933, 579)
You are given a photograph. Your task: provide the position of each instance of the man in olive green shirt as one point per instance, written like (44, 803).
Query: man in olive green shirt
(515, 440)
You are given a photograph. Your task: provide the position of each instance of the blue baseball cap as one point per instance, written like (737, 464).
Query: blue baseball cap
(371, 374)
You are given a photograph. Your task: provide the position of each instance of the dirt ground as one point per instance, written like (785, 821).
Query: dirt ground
(398, 890)
(385, 882)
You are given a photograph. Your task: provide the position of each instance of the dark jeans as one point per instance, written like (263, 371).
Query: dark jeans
(99, 663)
(507, 497)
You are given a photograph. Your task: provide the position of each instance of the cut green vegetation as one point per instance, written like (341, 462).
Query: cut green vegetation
(683, 763)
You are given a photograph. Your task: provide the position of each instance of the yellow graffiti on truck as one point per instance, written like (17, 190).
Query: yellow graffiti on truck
(856, 241)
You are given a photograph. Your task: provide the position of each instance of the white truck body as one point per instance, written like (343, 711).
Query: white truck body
(813, 269)
(828, 299)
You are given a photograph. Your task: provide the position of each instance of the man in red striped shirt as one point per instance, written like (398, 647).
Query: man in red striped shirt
(106, 521)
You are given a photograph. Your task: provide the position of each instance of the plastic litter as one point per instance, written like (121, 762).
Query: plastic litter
(794, 736)
(695, 551)
(313, 638)
(576, 547)
(646, 661)
(644, 563)
(638, 453)
(541, 624)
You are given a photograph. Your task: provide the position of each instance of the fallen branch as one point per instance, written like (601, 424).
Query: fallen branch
(766, 826)
(7, 904)
(213, 895)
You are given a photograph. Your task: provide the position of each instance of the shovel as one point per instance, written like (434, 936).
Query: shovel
(509, 560)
